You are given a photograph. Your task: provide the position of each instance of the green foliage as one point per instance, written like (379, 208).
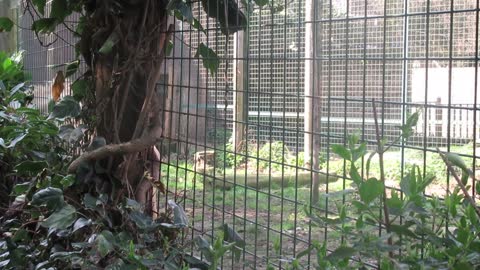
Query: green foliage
(210, 59)
(416, 236)
(49, 221)
(5, 24)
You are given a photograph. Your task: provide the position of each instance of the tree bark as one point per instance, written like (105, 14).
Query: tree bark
(127, 107)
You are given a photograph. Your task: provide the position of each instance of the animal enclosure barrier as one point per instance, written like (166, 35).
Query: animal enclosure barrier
(238, 143)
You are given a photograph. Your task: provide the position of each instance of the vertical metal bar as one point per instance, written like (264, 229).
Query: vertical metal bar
(427, 63)
(450, 67)
(475, 95)
(258, 137)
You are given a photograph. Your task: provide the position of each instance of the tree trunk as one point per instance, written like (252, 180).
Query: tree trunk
(127, 107)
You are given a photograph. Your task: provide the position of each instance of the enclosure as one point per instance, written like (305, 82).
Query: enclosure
(242, 145)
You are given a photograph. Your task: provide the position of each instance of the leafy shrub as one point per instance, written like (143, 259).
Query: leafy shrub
(54, 220)
(415, 232)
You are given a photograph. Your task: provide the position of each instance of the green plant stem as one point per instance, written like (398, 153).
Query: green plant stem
(459, 182)
(380, 152)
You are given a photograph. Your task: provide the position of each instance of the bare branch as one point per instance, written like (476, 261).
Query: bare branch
(133, 146)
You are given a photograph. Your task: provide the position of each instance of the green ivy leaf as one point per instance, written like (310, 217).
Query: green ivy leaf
(59, 9)
(40, 4)
(68, 180)
(209, 58)
(79, 89)
(197, 25)
(22, 188)
(29, 167)
(181, 10)
(80, 223)
(105, 242)
(6, 24)
(72, 67)
(67, 107)
(44, 25)
(109, 43)
(89, 201)
(50, 196)
(370, 190)
(61, 219)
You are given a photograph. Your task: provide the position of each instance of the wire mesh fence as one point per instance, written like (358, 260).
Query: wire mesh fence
(234, 144)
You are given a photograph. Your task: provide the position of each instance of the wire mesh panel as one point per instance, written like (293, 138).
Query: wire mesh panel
(251, 173)
(404, 56)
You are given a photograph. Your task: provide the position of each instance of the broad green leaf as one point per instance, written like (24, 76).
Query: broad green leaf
(21, 235)
(169, 47)
(359, 152)
(181, 10)
(49, 196)
(72, 68)
(412, 120)
(6, 24)
(18, 139)
(356, 177)
(79, 89)
(403, 230)
(369, 160)
(340, 254)
(68, 180)
(394, 202)
(209, 58)
(89, 201)
(40, 4)
(67, 107)
(231, 236)
(143, 221)
(457, 161)
(359, 223)
(197, 25)
(205, 247)
(80, 223)
(61, 219)
(22, 188)
(59, 9)
(44, 25)
(105, 242)
(342, 151)
(180, 218)
(109, 43)
(408, 184)
(261, 3)
(29, 167)
(370, 190)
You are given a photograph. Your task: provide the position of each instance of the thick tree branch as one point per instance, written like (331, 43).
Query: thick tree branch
(133, 146)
